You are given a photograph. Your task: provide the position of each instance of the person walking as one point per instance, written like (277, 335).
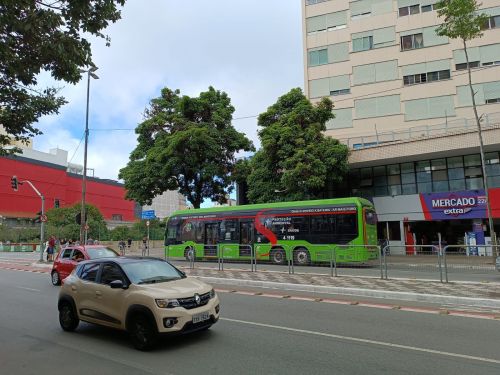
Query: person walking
(129, 243)
(121, 245)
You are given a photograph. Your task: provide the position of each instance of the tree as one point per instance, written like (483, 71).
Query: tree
(463, 20)
(297, 161)
(46, 36)
(186, 144)
(61, 222)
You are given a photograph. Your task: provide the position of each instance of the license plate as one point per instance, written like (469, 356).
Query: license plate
(201, 317)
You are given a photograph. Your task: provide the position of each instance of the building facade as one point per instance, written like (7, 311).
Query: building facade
(167, 203)
(403, 107)
(60, 188)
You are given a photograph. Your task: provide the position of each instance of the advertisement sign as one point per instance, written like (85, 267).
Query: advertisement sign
(471, 241)
(470, 204)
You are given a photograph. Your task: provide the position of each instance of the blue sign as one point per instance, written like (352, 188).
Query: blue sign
(149, 214)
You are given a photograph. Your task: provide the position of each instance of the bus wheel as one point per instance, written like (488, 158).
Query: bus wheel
(301, 256)
(189, 254)
(278, 256)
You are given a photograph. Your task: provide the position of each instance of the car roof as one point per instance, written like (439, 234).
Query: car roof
(123, 260)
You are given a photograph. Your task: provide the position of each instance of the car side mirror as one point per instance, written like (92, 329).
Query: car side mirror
(183, 273)
(117, 284)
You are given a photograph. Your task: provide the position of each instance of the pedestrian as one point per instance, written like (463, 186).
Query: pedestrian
(144, 246)
(121, 245)
(50, 249)
(129, 243)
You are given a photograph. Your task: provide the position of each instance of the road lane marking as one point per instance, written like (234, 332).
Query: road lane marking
(30, 289)
(492, 315)
(365, 341)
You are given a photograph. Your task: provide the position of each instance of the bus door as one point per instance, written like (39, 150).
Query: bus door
(246, 238)
(211, 235)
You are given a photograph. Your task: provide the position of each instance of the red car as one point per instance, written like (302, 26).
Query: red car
(68, 257)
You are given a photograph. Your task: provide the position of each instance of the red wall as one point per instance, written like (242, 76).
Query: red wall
(55, 183)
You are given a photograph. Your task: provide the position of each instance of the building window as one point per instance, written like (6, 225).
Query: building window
(491, 23)
(429, 8)
(491, 101)
(319, 57)
(117, 217)
(462, 66)
(362, 44)
(415, 79)
(340, 92)
(408, 10)
(413, 41)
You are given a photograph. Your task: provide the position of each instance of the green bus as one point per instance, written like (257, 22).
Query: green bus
(306, 229)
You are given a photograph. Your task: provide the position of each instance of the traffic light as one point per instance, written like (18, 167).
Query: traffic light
(38, 216)
(14, 183)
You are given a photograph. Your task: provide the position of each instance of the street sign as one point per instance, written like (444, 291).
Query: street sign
(147, 223)
(43, 218)
(149, 214)
(87, 227)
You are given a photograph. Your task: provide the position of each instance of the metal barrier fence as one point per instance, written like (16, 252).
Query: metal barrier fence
(473, 258)
(433, 262)
(425, 253)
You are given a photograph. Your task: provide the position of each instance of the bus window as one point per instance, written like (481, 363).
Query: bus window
(187, 231)
(246, 228)
(229, 231)
(211, 232)
(346, 224)
(323, 224)
(173, 234)
(199, 231)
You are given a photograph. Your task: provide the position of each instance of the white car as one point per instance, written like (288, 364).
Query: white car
(147, 297)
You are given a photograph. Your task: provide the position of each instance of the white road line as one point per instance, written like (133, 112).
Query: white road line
(366, 341)
(30, 289)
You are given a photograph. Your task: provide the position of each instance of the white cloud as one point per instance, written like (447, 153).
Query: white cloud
(252, 50)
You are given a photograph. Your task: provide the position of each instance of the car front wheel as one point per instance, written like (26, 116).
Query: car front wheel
(67, 317)
(143, 333)
(56, 280)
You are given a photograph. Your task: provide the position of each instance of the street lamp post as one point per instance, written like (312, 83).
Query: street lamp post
(83, 223)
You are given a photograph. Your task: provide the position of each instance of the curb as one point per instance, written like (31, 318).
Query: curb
(414, 297)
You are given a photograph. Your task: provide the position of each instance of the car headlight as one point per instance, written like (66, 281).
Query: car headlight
(212, 293)
(167, 303)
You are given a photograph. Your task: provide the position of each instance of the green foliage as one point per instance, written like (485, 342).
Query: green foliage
(17, 235)
(187, 144)
(297, 161)
(61, 223)
(461, 19)
(39, 36)
(139, 230)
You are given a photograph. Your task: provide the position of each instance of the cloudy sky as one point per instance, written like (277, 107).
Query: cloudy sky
(250, 49)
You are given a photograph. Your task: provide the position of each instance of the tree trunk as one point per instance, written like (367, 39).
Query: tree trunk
(483, 164)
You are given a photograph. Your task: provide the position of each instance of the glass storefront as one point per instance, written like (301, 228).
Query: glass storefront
(426, 176)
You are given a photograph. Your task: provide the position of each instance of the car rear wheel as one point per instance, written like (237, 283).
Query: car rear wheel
(143, 333)
(56, 280)
(67, 317)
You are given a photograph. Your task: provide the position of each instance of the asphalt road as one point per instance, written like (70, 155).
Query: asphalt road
(256, 335)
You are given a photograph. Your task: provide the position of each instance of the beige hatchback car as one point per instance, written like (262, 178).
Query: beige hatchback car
(147, 297)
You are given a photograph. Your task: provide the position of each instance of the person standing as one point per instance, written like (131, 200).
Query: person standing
(129, 243)
(144, 246)
(50, 249)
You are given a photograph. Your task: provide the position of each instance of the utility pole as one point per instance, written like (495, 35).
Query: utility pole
(83, 240)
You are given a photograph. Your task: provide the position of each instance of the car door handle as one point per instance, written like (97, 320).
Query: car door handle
(98, 294)
(73, 288)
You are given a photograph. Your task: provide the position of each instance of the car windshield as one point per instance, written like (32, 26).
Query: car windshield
(150, 272)
(101, 252)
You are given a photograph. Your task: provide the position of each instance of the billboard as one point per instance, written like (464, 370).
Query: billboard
(469, 204)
